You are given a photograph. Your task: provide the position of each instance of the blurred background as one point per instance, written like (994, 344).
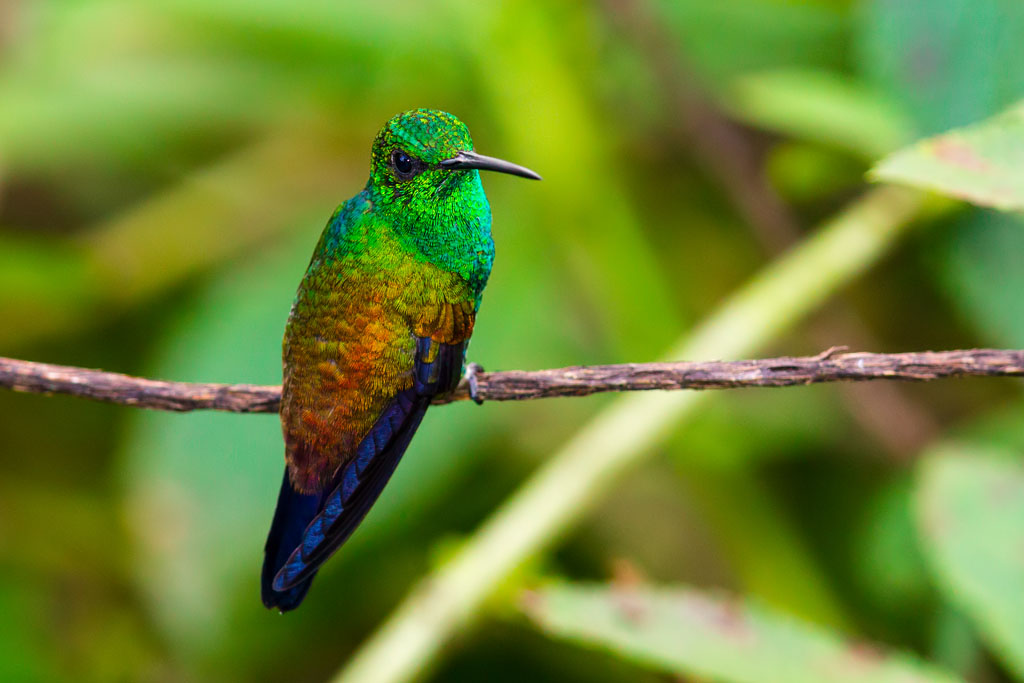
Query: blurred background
(166, 168)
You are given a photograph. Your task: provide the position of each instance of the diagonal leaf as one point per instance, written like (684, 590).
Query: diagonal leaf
(694, 633)
(820, 106)
(982, 163)
(971, 516)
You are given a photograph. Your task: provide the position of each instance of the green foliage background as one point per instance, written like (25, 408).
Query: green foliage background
(166, 167)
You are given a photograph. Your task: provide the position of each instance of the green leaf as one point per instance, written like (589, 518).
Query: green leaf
(978, 266)
(949, 63)
(820, 106)
(887, 560)
(694, 633)
(23, 631)
(970, 509)
(982, 163)
(730, 37)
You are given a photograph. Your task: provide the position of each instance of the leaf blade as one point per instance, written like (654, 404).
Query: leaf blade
(695, 633)
(970, 510)
(982, 163)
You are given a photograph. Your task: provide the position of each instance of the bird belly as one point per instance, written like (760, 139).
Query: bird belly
(350, 348)
(340, 373)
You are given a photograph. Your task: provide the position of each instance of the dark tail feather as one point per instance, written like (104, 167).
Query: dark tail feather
(355, 489)
(308, 529)
(293, 514)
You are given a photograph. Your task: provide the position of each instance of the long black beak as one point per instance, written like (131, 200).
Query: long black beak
(474, 160)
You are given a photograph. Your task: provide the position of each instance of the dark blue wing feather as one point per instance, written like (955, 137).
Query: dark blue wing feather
(290, 519)
(327, 520)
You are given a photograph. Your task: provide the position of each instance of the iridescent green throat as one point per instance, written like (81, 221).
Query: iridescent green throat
(438, 215)
(449, 227)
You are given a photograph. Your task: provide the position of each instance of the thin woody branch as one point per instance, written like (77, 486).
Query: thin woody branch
(518, 385)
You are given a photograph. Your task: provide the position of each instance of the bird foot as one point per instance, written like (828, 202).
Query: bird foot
(472, 369)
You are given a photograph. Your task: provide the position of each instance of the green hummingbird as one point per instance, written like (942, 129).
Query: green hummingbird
(379, 327)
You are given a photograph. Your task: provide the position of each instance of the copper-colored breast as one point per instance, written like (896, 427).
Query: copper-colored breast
(350, 347)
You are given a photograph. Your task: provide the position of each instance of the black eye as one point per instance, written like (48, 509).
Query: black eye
(405, 166)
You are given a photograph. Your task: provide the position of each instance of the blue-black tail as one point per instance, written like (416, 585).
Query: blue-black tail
(339, 511)
(307, 529)
(293, 514)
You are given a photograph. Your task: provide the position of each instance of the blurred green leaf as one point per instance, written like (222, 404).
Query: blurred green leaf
(983, 163)
(954, 642)
(979, 268)
(970, 511)
(721, 468)
(131, 111)
(1001, 427)
(22, 632)
(211, 216)
(820, 106)
(109, 80)
(730, 37)
(888, 563)
(694, 633)
(772, 561)
(950, 63)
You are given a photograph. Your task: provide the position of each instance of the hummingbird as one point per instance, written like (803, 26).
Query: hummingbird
(378, 328)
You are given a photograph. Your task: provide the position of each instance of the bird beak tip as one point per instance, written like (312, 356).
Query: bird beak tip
(470, 159)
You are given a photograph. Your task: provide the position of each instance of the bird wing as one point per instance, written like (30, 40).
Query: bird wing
(372, 336)
(293, 556)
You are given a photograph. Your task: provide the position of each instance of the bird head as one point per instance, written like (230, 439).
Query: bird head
(424, 158)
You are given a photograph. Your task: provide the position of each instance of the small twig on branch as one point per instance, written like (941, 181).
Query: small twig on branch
(518, 385)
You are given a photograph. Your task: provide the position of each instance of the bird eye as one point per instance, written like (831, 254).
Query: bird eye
(405, 166)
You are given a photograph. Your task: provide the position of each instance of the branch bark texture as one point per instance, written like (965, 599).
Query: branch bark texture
(518, 385)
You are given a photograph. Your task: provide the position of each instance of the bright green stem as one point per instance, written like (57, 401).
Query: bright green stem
(561, 491)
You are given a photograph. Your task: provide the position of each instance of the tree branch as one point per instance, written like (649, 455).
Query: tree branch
(518, 385)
